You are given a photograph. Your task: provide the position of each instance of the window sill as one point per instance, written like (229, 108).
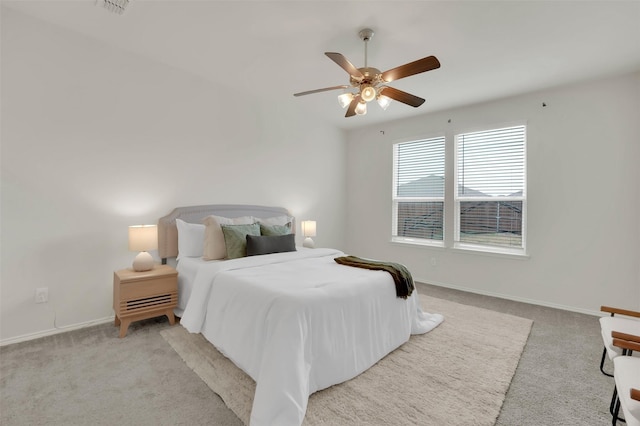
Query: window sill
(417, 242)
(464, 248)
(513, 253)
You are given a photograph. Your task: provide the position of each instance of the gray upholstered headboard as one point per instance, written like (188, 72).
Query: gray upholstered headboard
(168, 232)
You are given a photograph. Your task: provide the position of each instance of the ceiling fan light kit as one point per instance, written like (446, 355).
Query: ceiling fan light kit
(383, 101)
(367, 93)
(370, 82)
(345, 99)
(361, 108)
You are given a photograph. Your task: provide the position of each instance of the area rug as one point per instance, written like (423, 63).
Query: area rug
(457, 374)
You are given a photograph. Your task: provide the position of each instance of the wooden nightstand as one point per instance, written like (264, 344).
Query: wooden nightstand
(142, 295)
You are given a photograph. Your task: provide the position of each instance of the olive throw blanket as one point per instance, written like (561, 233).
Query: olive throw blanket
(401, 275)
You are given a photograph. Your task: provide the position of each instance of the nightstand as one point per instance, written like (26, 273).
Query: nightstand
(142, 295)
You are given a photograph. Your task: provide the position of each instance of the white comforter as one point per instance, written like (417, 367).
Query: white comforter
(298, 322)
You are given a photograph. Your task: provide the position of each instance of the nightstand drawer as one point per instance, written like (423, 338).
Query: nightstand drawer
(145, 288)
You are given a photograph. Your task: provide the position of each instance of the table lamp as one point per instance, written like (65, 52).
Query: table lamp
(308, 230)
(143, 238)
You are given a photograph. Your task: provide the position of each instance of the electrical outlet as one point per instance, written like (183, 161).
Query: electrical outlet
(434, 262)
(42, 295)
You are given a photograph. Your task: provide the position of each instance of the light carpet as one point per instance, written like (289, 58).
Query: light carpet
(457, 374)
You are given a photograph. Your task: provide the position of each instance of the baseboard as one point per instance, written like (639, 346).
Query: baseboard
(514, 298)
(57, 330)
(64, 329)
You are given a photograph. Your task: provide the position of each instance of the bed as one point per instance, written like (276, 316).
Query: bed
(295, 321)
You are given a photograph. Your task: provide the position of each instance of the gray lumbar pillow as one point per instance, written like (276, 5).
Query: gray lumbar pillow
(270, 244)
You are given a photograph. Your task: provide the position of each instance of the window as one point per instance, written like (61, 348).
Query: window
(483, 185)
(418, 190)
(490, 195)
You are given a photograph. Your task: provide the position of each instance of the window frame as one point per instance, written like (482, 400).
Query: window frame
(464, 245)
(451, 201)
(395, 199)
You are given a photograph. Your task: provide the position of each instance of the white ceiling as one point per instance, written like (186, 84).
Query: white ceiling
(488, 49)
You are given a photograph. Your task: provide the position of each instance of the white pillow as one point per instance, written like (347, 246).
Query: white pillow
(214, 246)
(276, 220)
(190, 239)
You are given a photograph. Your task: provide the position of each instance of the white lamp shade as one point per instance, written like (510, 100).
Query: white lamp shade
(345, 99)
(368, 93)
(384, 102)
(309, 228)
(361, 109)
(143, 237)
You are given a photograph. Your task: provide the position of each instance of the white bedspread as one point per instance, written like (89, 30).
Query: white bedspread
(188, 268)
(298, 322)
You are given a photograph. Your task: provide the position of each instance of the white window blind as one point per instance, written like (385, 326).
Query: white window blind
(491, 192)
(418, 189)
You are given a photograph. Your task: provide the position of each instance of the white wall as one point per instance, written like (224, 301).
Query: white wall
(583, 198)
(95, 139)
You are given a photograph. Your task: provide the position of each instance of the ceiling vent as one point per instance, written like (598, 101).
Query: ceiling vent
(115, 6)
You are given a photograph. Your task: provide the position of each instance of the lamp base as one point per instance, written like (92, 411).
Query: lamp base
(308, 243)
(143, 262)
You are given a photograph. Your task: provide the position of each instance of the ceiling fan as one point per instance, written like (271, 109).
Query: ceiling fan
(370, 82)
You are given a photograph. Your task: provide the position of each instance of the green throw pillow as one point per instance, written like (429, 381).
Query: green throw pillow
(273, 230)
(235, 238)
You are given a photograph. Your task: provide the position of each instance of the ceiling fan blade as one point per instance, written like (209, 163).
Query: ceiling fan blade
(321, 90)
(345, 64)
(404, 97)
(351, 111)
(416, 67)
